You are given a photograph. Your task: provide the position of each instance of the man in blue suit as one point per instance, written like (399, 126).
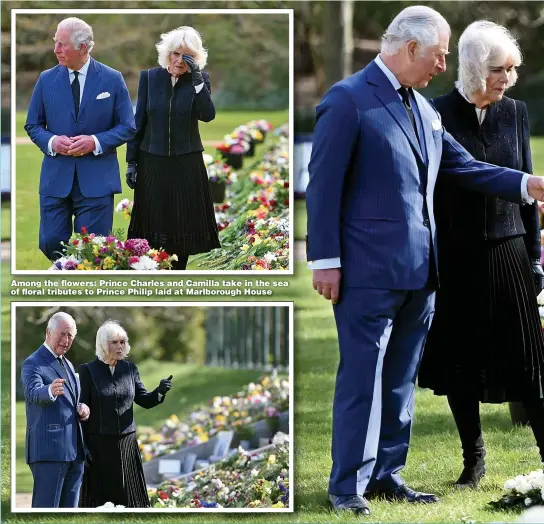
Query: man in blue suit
(378, 148)
(80, 113)
(55, 450)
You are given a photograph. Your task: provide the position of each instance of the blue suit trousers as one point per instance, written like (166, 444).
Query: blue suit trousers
(56, 484)
(381, 337)
(57, 215)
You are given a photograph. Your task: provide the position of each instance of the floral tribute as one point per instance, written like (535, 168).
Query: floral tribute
(218, 171)
(246, 479)
(86, 251)
(265, 399)
(522, 491)
(254, 220)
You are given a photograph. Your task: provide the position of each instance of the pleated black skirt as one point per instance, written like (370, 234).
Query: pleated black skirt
(486, 337)
(173, 206)
(116, 474)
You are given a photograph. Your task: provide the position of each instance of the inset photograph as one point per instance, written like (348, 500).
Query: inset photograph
(151, 407)
(150, 140)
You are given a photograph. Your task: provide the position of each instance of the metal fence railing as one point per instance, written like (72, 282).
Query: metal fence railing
(248, 337)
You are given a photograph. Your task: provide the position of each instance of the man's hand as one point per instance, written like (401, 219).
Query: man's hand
(81, 145)
(327, 283)
(83, 411)
(61, 145)
(535, 187)
(57, 387)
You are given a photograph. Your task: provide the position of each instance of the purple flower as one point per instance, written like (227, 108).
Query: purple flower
(58, 265)
(137, 246)
(97, 260)
(110, 239)
(103, 250)
(70, 264)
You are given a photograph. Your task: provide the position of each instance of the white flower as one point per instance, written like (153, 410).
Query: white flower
(254, 472)
(280, 439)
(122, 205)
(98, 240)
(510, 485)
(532, 515)
(144, 264)
(528, 501)
(270, 257)
(208, 159)
(540, 298)
(523, 486)
(217, 484)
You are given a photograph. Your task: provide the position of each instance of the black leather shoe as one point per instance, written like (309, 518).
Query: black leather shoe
(355, 503)
(471, 476)
(405, 493)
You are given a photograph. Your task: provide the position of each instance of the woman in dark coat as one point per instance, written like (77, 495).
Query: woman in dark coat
(486, 342)
(173, 206)
(109, 386)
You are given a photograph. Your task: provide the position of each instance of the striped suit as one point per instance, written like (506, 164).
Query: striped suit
(370, 204)
(80, 186)
(54, 439)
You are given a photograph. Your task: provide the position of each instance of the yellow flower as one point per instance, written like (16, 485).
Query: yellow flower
(147, 456)
(278, 505)
(244, 413)
(221, 419)
(109, 263)
(81, 266)
(203, 437)
(174, 418)
(258, 268)
(272, 459)
(245, 248)
(254, 503)
(258, 240)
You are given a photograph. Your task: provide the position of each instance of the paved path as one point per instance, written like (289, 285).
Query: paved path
(6, 251)
(23, 500)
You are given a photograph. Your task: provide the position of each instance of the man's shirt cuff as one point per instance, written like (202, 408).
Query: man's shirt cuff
(50, 151)
(325, 263)
(51, 396)
(98, 148)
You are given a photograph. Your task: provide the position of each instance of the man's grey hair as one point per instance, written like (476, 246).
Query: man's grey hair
(482, 46)
(182, 36)
(419, 23)
(105, 334)
(55, 319)
(82, 32)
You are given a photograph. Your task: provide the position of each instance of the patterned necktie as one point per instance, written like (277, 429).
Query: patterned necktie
(76, 92)
(408, 106)
(66, 374)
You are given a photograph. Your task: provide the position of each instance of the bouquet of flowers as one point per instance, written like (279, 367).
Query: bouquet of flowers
(259, 128)
(86, 251)
(125, 207)
(255, 479)
(264, 400)
(234, 144)
(522, 491)
(221, 172)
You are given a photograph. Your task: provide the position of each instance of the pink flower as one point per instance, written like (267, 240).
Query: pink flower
(133, 260)
(137, 246)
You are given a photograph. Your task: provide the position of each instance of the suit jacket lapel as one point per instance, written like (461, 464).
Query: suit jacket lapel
(92, 84)
(390, 99)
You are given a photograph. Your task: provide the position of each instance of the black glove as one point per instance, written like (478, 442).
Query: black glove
(131, 174)
(165, 385)
(538, 274)
(195, 70)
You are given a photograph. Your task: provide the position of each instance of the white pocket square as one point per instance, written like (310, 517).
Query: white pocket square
(105, 94)
(436, 124)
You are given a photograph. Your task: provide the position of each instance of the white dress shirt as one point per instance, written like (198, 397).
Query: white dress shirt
(330, 263)
(198, 88)
(82, 77)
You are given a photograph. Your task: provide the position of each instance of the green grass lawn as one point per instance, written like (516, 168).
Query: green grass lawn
(28, 164)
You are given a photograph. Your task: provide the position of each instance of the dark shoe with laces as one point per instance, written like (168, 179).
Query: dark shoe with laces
(405, 493)
(354, 503)
(471, 476)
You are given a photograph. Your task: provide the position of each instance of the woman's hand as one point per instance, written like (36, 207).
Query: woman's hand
(165, 385)
(538, 275)
(131, 175)
(195, 70)
(83, 411)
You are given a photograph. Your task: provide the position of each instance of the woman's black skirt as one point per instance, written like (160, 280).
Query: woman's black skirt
(486, 337)
(173, 206)
(116, 474)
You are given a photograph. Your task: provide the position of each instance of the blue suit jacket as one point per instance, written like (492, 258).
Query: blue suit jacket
(51, 426)
(370, 195)
(111, 120)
